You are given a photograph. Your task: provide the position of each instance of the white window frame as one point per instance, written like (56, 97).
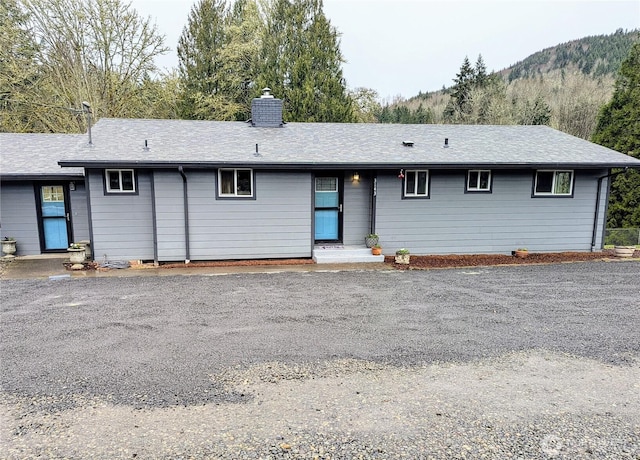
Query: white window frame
(335, 185)
(476, 187)
(235, 193)
(553, 192)
(107, 180)
(414, 194)
(49, 195)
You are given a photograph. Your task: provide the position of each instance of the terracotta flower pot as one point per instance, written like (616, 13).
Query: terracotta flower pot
(376, 251)
(522, 254)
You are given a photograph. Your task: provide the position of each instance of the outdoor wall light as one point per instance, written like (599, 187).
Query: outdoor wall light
(356, 177)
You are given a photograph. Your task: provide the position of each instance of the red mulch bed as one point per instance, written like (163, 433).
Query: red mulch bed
(416, 262)
(454, 260)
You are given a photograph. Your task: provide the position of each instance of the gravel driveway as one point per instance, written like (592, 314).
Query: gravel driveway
(497, 362)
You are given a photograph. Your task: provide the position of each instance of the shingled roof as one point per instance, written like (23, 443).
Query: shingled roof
(326, 145)
(25, 156)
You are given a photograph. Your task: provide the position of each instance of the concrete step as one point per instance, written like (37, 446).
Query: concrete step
(346, 254)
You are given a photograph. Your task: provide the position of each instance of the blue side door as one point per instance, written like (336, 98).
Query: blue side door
(54, 217)
(328, 209)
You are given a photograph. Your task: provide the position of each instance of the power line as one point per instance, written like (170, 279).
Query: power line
(70, 109)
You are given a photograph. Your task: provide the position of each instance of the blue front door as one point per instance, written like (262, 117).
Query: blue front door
(54, 215)
(328, 208)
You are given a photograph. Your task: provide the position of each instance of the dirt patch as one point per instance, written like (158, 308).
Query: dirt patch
(536, 404)
(473, 260)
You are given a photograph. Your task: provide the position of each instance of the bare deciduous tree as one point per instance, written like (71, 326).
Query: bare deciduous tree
(100, 51)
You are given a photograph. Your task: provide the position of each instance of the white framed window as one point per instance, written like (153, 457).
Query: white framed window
(553, 183)
(478, 180)
(416, 183)
(237, 183)
(52, 194)
(120, 180)
(326, 184)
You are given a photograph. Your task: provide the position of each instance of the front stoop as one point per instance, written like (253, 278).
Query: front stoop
(344, 255)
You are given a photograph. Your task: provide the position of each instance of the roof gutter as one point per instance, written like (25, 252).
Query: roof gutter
(185, 200)
(597, 208)
(101, 164)
(41, 177)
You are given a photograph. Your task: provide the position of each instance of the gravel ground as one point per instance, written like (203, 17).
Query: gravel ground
(499, 362)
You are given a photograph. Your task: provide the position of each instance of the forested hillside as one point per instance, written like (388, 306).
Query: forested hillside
(564, 86)
(593, 56)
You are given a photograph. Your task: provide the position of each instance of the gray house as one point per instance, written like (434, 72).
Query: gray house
(170, 190)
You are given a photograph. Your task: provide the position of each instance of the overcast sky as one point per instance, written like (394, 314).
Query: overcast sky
(401, 47)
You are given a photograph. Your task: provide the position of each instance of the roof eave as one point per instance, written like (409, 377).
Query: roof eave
(323, 166)
(40, 177)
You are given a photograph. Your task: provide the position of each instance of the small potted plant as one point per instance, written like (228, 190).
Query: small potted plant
(624, 251)
(402, 256)
(376, 250)
(76, 253)
(9, 247)
(521, 253)
(371, 240)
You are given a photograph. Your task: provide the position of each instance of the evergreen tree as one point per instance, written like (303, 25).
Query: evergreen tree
(459, 105)
(422, 115)
(200, 64)
(385, 115)
(302, 63)
(537, 112)
(619, 128)
(240, 56)
(480, 73)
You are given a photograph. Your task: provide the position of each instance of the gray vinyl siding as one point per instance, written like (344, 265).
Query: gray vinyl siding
(169, 197)
(19, 218)
(79, 214)
(276, 224)
(357, 209)
(122, 223)
(451, 221)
